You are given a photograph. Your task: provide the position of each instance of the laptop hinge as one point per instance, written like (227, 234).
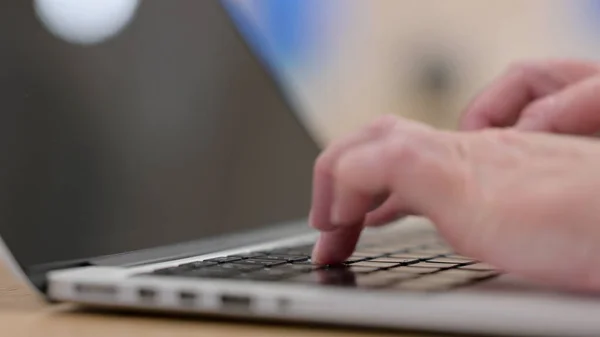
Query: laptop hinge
(38, 274)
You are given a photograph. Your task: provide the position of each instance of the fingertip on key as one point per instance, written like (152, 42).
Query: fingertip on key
(322, 255)
(335, 246)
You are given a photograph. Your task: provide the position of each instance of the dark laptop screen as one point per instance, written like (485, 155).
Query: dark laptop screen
(170, 131)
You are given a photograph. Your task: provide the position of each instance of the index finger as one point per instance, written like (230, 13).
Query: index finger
(502, 102)
(322, 198)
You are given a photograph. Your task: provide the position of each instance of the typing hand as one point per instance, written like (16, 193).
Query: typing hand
(524, 202)
(561, 96)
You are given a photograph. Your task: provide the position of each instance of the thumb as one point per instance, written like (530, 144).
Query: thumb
(574, 110)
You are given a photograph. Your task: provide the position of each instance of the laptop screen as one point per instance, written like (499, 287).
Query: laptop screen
(157, 128)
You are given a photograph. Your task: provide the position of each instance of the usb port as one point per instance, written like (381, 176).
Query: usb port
(95, 289)
(236, 302)
(187, 297)
(147, 294)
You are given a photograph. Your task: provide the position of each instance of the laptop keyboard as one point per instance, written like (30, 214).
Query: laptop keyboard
(429, 265)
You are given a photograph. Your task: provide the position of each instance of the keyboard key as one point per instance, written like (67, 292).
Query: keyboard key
(225, 259)
(375, 264)
(459, 257)
(289, 258)
(391, 259)
(295, 267)
(479, 266)
(407, 261)
(353, 259)
(353, 268)
(466, 275)
(248, 256)
(432, 265)
(449, 260)
(412, 256)
(376, 250)
(362, 254)
(240, 267)
(335, 266)
(281, 271)
(304, 262)
(361, 269)
(198, 264)
(271, 274)
(412, 270)
(430, 252)
(366, 257)
(264, 263)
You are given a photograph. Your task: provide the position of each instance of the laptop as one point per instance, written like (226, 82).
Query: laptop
(167, 168)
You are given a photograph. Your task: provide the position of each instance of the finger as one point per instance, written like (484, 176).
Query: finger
(411, 165)
(389, 211)
(355, 198)
(350, 205)
(502, 102)
(322, 195)
(337, 245)
(575, 110)
(499, 104)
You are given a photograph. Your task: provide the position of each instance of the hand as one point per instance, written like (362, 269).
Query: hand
(524, 202)
(553, 96)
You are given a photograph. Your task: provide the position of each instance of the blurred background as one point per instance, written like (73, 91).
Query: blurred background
(142, 98)
(346, 61)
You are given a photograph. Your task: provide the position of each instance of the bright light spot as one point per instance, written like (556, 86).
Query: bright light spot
(85, 21)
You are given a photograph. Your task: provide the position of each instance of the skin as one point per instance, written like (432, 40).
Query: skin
(516, 187)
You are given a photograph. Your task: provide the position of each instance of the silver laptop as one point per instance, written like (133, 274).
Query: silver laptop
(165, 169)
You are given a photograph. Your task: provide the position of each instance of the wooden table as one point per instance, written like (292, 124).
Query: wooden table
(23, 314)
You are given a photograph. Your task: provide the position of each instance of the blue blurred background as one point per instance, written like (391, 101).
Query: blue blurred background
(348, 61)
(343, 62)
(286, 33)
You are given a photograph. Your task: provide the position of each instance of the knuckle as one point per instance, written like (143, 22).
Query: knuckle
(523, 68)
(382, 123)
(404, 148)
(505, 136)
(345, 171)
(539, 109)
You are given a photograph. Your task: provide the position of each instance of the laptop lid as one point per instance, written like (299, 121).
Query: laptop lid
(168, 131)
